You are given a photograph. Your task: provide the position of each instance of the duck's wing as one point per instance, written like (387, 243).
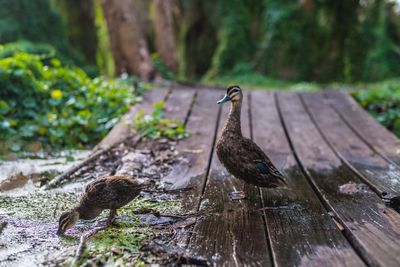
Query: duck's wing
(111, 191)
(261, 162)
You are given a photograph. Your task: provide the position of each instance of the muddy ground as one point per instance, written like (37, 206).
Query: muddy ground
(150, 229)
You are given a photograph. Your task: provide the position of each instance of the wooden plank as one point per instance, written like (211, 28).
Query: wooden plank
(190, 172)
(368, 129)
(240, 238)
(125, 125)
(382, 176)
(373, 229)
(179, 102)
(301, 231)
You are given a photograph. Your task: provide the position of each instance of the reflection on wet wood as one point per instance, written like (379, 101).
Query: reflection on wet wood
(301, 231)
(360, 211)
(378, 137)
(190, 172)
(382, 176)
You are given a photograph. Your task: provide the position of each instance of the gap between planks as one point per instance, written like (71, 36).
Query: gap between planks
(303, 232)
(382, 176)
(372, 229)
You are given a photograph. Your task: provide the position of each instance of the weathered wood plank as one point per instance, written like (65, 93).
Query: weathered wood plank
(301, 231)
(124, 127)
(179, 102)
(382, 176)
(378, 137)
(232, 233)
(191, 171)
(373, 229)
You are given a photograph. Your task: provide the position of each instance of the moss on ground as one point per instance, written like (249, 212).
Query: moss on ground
(44, 206)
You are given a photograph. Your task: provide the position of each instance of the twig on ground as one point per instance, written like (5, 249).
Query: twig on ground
(2, 226)
(158, 214)
(89, 159)
(174, 255)
(82, 242)
(178, 190)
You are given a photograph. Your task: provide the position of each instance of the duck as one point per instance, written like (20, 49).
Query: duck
(107, 192)
(242, 157)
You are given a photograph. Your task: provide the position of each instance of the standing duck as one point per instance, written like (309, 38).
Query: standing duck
(108, 192)
(243, 158)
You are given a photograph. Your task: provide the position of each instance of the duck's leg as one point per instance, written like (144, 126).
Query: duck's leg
(239, 195)
(111, 216)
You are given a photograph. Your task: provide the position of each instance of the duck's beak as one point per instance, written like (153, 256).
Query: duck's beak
(226, 98)
(60, 232)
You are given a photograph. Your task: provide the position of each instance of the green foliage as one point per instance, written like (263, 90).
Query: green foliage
(235, 43)
(161, 68)
(35, 21)
(156, 126)
(246, 77)
(42, 100)
(324, 41)
(382, 101)
(45, 50)
(286, 49)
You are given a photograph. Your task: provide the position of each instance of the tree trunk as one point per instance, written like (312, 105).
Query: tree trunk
(165, 34)
(128, 45)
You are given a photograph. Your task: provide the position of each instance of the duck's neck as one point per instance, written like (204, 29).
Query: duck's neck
(232, 124)
(82, 210)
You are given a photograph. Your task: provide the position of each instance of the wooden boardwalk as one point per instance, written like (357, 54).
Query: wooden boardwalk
(343, 171)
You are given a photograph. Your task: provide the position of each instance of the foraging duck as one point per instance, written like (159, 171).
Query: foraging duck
(243, 158)
(108, 192)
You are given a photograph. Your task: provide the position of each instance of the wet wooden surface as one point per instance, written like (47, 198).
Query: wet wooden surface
(342, 170)
(381, 175)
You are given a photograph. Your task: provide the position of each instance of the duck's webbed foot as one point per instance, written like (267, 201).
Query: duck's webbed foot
(237, 195)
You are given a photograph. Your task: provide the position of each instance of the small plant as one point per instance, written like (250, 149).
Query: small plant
(382, 101)
(41, 100)
(156, 126)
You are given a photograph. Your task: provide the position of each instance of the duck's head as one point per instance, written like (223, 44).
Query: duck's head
(233, 94)
(67, 220)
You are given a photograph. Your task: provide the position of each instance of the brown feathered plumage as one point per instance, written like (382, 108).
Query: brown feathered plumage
(243, 158)
(109, 192)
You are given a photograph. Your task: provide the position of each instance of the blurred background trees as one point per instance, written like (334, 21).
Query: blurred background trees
(296, 40)
(52, 53)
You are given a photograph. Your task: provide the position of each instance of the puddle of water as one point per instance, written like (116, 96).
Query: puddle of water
(29, 166)
(353, 188)
(22, 176)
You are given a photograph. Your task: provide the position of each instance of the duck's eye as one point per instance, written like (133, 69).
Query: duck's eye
(233, 92)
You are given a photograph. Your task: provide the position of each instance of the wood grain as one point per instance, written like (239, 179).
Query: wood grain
(190, 172)
(301, 231)
(369, 130)
(361, 213)
(179, 103)
(383, 177)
